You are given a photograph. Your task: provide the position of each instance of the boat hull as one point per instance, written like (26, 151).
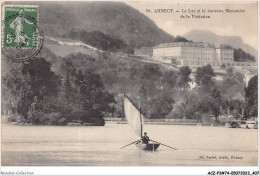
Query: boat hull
(150, 146)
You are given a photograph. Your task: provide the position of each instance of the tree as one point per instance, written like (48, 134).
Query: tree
(99, 40)
(181, 39)
(68, 91)
(251, 93)
(169, 79)
(12, 89)
(142, 92)
(241, 56)
(232, 84)
(135, 71)
(216, 103)
(40, 82)
(31, 83)
(230, 72)
(45, 98)
(162, 106)
(211, 103)
(184, 77)
(151, 71)
(236, 107)
(188, 107)
(89, 99)
(90, 87)
(204, 76)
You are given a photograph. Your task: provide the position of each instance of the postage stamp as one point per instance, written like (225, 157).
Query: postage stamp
(21, 37)
(19, 27)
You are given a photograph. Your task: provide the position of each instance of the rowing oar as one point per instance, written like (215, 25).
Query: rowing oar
(164, 144)
(130, 144)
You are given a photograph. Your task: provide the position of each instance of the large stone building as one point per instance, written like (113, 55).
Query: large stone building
(194, 54)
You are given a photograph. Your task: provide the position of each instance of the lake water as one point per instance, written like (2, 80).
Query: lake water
(99, 146)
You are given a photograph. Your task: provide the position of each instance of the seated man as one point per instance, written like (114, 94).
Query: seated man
(145, 138)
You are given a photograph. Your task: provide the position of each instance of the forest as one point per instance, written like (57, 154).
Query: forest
(85, 89)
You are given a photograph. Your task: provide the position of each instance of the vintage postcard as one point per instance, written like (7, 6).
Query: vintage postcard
(128, 83)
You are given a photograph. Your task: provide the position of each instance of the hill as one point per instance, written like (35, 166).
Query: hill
(158, 87)
(211, 37)
(111, 18)
(98, 39)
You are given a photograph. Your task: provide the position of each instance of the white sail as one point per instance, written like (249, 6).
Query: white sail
(134, 117)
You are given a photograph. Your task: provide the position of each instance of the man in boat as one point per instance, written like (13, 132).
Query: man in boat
(145, 138)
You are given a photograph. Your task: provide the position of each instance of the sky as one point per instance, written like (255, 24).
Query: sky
(244, 25)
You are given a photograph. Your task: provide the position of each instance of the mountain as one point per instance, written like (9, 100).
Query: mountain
(211, 37)
(112, 18)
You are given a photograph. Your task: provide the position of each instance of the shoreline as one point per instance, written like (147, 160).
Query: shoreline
(173, 123)
(122, 123)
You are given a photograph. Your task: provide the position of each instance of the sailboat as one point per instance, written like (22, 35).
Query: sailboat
(136, 121)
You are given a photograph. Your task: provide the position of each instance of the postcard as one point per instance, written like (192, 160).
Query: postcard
(129, 83)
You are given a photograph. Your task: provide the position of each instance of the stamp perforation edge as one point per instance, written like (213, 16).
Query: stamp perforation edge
(3, 19)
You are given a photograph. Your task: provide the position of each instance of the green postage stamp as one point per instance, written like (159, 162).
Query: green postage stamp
(19, 26)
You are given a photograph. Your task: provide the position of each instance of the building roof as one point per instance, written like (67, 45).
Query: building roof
(224, 46)
(186, 44)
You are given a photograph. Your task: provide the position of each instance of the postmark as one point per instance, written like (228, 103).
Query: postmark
(21, 38)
